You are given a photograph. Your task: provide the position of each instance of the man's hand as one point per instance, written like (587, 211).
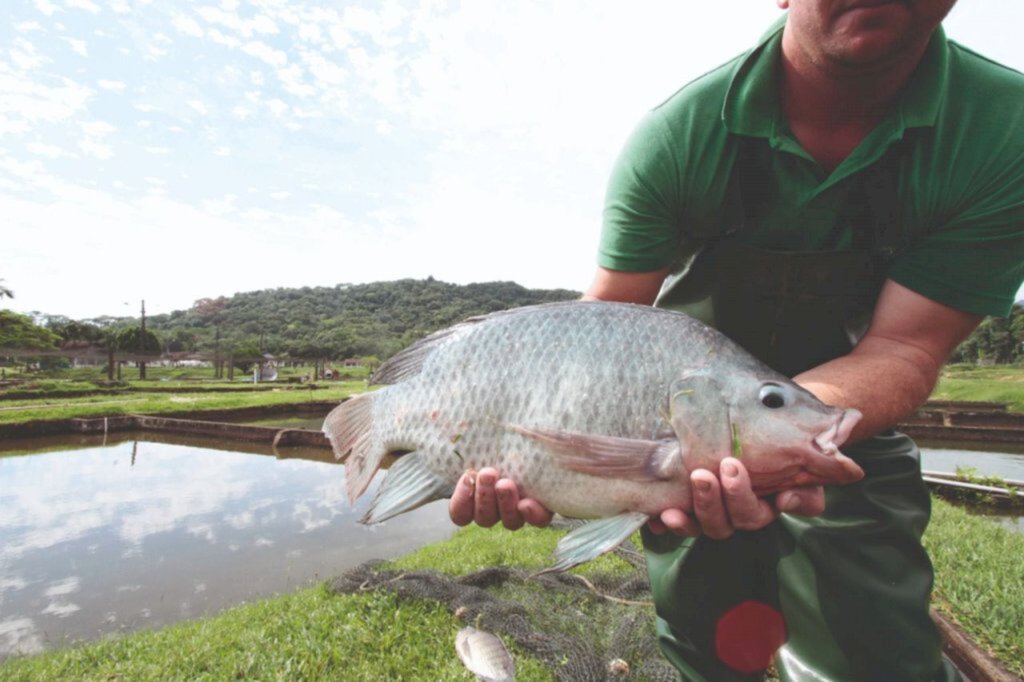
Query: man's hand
(720, 508)
(484, 498)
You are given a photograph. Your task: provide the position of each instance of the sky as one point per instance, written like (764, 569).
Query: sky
(171, 151)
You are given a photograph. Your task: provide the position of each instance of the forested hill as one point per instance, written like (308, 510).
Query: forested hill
(338, 322)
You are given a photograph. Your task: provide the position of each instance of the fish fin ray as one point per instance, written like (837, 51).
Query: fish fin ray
(349, 428)
(610, 456)
(409, 361)
(593, 539)
(408, 485)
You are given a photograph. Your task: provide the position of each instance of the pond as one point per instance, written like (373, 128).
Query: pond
(146, 530)
(987, 459)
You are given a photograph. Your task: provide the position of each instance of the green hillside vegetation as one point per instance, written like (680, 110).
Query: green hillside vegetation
(344, 321)
(363, 320)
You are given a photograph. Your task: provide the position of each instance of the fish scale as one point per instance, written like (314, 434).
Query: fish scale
(597, 410)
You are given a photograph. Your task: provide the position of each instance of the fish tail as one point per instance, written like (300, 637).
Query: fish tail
(349, 428)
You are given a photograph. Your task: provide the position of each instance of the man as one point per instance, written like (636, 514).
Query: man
(846, 200)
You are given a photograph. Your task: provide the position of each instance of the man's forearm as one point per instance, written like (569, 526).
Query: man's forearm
(884, 379)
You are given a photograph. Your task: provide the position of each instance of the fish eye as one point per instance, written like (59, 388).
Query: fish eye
(772, 396)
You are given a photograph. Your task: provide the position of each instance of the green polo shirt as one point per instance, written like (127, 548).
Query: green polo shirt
(960, 176)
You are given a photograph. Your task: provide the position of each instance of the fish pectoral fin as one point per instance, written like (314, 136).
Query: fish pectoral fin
(610, 456)
(595, 538)
(409, 484)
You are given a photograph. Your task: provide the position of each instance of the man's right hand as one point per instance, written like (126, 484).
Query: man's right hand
(486, 498)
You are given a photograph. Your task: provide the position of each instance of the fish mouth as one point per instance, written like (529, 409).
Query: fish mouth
(827, 445)
(829, 440)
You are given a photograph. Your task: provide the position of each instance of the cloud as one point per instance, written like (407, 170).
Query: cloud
(188, 26)
(26, 102)
(265, 53)
(86, 5)
(46, 7)
(79, 46)
(114, 86)
(48, 150)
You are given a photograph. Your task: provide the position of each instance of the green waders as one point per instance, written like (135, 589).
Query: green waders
(841, 596)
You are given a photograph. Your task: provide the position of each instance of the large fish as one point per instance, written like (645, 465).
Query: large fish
(597, 410)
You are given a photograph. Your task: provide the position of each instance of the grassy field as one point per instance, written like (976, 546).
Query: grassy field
(1001, 384)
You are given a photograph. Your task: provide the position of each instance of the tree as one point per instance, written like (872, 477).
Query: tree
(19, 331)
(997, 339)
(245, 355)
(138, 342)
(5, 292)
(71, 330)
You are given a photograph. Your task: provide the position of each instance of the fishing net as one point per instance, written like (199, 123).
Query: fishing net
(599, 627)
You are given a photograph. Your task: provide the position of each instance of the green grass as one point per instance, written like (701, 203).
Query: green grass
(155, 373)
(309, 635)
(16, 411)
(474, 548)
(1001, 384)
(979, 569)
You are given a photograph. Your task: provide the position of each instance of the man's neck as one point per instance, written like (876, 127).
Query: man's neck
(832, 108)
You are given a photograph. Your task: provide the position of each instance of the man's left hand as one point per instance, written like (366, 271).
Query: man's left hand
(723, 506)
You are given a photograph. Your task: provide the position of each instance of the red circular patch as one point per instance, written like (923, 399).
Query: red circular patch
(748, 635)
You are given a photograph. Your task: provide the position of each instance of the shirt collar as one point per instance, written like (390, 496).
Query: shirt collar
(752, 104)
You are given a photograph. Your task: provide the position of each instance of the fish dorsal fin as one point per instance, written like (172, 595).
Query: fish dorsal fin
(609, 456)
(408, 362)
(595, 538)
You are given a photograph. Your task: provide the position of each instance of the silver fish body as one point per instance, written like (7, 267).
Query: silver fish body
(596, 410)
(485, 655)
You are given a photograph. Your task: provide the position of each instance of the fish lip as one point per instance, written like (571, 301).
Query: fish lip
(828, 441)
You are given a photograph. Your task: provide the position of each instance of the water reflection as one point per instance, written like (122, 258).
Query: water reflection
(987, 459)
(140, 533)
(1000, 459)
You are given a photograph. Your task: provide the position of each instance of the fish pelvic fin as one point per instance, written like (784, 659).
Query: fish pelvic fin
(410, 483)
(593, 539)
(609, 456)
(349, 428)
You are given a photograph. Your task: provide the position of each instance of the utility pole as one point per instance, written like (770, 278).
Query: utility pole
(142, 363)
(218, 365)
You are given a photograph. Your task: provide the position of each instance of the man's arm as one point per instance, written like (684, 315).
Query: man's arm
(894, 368)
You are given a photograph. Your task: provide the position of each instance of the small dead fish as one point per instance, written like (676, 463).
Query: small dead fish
(485, 655)
(597, 410)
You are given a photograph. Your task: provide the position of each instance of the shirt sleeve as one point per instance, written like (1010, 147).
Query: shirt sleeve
(640, 227)
(975, 260)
